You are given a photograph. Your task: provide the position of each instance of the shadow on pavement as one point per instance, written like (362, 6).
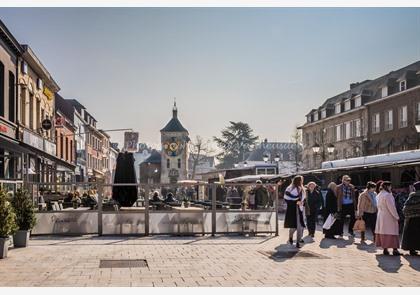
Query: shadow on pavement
(390, 264)
(370, 248)
(414, 261)
(339, 243)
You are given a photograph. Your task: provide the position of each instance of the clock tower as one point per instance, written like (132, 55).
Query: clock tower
(174, 156)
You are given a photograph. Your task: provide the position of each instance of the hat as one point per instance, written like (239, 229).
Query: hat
(259, 181)
(417, 185)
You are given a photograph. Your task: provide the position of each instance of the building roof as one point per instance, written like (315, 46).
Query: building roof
(154, 158)
(371, 89)
(174, 125)
(64, 107)
(9, 39)
(272, 148)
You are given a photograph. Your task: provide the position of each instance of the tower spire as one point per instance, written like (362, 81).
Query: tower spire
(174, 109)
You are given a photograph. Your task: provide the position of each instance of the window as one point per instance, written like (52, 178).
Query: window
(308, 118)
(375, 123)
(23, 107)
(403, 116)
(168, 163)
(347, 105)
(388, 120)
(31, 111)
(179, 163)
(38, 115)
(347, 132)
(323, 113)
(12, 99)
(67, 148)
(403, 85)
(337, 132)
(357, 128)
(316, 116)
(39, 84)
(307, 139)
(24, 67)
(384, 91)
(71, 150)
(1, 89)
(61, 146)
(338, 108)
(357, 101)
(418, 111)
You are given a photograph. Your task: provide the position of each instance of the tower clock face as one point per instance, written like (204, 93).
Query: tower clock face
(172, 147)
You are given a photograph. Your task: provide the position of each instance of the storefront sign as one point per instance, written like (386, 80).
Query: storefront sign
(33, 140)
(59, 122)
(49, 147)
(7, 130)
(48, 93)
(46, 124)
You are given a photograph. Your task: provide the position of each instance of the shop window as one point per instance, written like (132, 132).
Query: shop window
(12, 99)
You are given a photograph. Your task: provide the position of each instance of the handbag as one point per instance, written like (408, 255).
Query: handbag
(329, 222)
(359, 225)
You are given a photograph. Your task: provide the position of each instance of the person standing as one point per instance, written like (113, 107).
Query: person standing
(331, 208)
(367, 208)
(346, 202)
(313, 202)
(294, 196)
(386, 230)
(411, 230)
(261, 195)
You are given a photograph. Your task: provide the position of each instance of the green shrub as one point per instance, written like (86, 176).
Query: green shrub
(24, 210)
(7, 216)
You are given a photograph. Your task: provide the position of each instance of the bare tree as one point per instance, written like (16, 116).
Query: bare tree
(297, 149)
(200, 149)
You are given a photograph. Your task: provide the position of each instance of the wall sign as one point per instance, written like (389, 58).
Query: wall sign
(48, 93)
(46, 124)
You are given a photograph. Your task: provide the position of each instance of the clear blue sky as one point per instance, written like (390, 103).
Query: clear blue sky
(264, 66)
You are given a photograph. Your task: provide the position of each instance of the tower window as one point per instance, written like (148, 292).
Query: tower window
(168, 164)
(179, 163)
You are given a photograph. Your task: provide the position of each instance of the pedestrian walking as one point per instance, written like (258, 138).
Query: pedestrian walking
(331, 208)
(367, 208)
(346, 202)
(386, 230)
(294, 196)
(313, 203)
(411, 231)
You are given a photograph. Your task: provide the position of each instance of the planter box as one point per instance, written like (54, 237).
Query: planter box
(4, 246)
(21, 238)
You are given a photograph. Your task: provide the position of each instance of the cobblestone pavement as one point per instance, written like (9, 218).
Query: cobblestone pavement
(205, 261)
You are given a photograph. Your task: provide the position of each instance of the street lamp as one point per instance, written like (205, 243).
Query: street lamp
(245, 164)
(235, 165)
(330, 148)
(316, 148)
(277, 158)
(265, 158)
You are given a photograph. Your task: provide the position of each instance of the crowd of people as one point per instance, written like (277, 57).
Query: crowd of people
(374, 209)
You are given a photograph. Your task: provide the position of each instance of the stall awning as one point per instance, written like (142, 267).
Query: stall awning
(12, 145)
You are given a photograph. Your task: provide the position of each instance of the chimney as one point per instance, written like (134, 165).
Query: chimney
(352, 85)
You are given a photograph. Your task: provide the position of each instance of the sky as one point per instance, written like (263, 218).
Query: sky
(267, 67)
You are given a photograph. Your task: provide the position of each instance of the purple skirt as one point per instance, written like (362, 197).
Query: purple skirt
(387, 241)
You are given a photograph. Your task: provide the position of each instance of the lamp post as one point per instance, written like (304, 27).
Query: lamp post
(317, 149)
(276, 159)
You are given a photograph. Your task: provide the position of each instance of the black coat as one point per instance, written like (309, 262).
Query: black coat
(290, 219)
(313, 202)
(411, 230)
(331, 208)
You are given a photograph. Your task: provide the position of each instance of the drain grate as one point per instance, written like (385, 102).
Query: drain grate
(280, 255)
(125, 263)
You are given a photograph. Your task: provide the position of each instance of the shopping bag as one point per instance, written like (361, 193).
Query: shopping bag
(329, 222)
(359, 225)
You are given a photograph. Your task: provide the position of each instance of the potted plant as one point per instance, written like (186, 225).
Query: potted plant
(25, 217)
(7, 223)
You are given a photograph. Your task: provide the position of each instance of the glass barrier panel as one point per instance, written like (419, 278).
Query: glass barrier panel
(75, 222)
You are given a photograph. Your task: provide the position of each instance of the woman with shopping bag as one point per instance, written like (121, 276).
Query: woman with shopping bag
(331, 225)
(366, 211)
(294, 196)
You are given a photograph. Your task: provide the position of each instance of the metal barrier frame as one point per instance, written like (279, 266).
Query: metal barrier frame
(100, 188)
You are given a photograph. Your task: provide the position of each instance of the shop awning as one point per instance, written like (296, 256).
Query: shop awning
(12, 145)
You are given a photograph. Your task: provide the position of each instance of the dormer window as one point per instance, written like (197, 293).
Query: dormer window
(338, 108)
(384, 91)
(309, 119)
(316, 116)
(347, 105)
(323, 113)
(403, 85)
(357, 101)
(39, 84)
